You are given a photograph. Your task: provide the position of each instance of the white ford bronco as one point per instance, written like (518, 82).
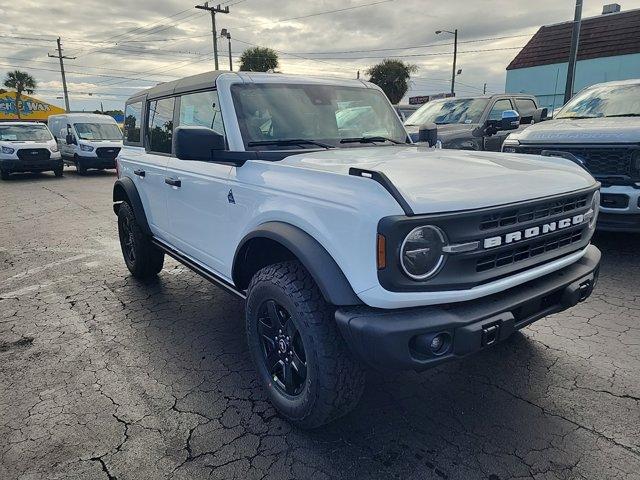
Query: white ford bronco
(351, 245)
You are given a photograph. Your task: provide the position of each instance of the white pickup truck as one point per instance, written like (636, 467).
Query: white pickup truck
(351, 245)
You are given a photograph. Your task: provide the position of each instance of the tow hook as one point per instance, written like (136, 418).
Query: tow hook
(584, 290)
(490, 334)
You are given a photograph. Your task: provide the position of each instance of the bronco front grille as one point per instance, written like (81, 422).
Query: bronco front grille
(518, 254)
(598, 160)
(515, 216)
(34, 154)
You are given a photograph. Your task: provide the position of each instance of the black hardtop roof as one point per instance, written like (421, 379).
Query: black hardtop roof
(200, 81)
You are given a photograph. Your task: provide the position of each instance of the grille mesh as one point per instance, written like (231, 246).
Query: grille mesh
(36, 154)
(517, 254)
(544, 210)
(599, 161)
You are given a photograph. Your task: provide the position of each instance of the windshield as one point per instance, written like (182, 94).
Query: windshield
(23, 133)
(441, 112)
(604, 101)
(98, 131)
(320, 114)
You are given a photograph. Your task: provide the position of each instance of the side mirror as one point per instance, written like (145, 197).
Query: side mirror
(198, 143)
(69, 139)
(510, 120)
(540, 115)
(428, 133)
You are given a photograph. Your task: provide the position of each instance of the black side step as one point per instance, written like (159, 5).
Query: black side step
(200, 270)
(383, 180)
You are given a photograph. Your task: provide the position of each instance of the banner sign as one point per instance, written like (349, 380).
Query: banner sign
(30, 108)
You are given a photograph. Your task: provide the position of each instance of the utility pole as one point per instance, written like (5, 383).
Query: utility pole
(484, 89)
(573, 55)
(455, 57)
(64, 79)
(358, 75)
(213, 11)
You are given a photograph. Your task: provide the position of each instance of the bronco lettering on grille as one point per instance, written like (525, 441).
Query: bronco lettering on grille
(532, 232)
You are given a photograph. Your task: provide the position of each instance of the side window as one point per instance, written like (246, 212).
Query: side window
(132, 122)
(525, 107)
(499, 107)
(160, 125)
(201, 109)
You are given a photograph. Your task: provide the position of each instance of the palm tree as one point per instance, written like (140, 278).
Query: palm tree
(20, 82)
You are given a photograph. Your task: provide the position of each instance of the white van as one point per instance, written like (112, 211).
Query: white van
(28, 147)
(87, 140)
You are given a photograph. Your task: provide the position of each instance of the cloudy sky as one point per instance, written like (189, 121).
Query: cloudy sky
(125, 45)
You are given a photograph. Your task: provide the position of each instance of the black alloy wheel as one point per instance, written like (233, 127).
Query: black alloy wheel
(127, 239)
(282, 349)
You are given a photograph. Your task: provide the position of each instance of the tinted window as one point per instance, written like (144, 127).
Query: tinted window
(525, 107)
(499, 107)
(160, 125)
(201, 110)
(132, 122)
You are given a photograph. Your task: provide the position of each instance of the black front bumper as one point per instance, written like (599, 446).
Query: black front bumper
(31, 165)
(395, 339)
(96, 162)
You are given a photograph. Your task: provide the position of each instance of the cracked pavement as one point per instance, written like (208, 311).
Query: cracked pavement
(102, 376)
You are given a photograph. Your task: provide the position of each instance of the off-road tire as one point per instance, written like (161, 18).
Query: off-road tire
(335, 378)
(5, 174)
(147, 259)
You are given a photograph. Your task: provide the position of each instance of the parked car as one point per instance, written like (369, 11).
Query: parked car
(598, 129)
(87, 140)
(348, 248)
(28, 147)
(406, 110)
(470, 123)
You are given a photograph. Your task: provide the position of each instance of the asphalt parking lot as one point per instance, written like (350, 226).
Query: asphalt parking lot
(102, 376)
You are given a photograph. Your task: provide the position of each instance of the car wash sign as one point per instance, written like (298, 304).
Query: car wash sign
(30, 108)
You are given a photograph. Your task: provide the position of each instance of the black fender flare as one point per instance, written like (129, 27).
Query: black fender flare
(329, 277)
(124, 190)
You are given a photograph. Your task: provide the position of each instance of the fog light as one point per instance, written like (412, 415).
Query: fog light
(432, 344)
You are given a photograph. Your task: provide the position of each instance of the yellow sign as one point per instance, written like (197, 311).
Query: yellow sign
(30, 108)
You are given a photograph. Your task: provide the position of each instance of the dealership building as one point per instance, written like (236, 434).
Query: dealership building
(609, 49)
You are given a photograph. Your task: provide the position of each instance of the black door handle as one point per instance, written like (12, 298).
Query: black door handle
(140, 173)
(174, 182)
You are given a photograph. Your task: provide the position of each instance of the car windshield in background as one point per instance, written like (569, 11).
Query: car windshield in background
(278, 117)
(25, 133)
(604, 101)
(98, 131)
(442, 112)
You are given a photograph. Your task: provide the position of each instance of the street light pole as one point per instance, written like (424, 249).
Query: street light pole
(573, 55)
(224, 33)
(455, 57)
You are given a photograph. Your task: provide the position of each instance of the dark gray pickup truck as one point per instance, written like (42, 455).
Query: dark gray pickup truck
(474, 123)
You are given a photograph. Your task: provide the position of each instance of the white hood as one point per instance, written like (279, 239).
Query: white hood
(587, 130)
(436, 180)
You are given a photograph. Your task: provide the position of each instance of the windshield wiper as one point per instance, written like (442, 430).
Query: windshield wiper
(289, 141)
(370, 140)
(624, 115)
(577, 117)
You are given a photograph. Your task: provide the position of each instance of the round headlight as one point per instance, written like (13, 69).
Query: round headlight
(421, 254)
(595, 208)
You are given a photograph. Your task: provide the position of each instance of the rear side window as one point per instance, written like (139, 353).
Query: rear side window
(160, 125)
(132, 123)
(201, 109)
(525, 107)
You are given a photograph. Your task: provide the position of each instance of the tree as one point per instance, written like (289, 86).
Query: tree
(258, 59)
(20, 82)
(392, 76)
